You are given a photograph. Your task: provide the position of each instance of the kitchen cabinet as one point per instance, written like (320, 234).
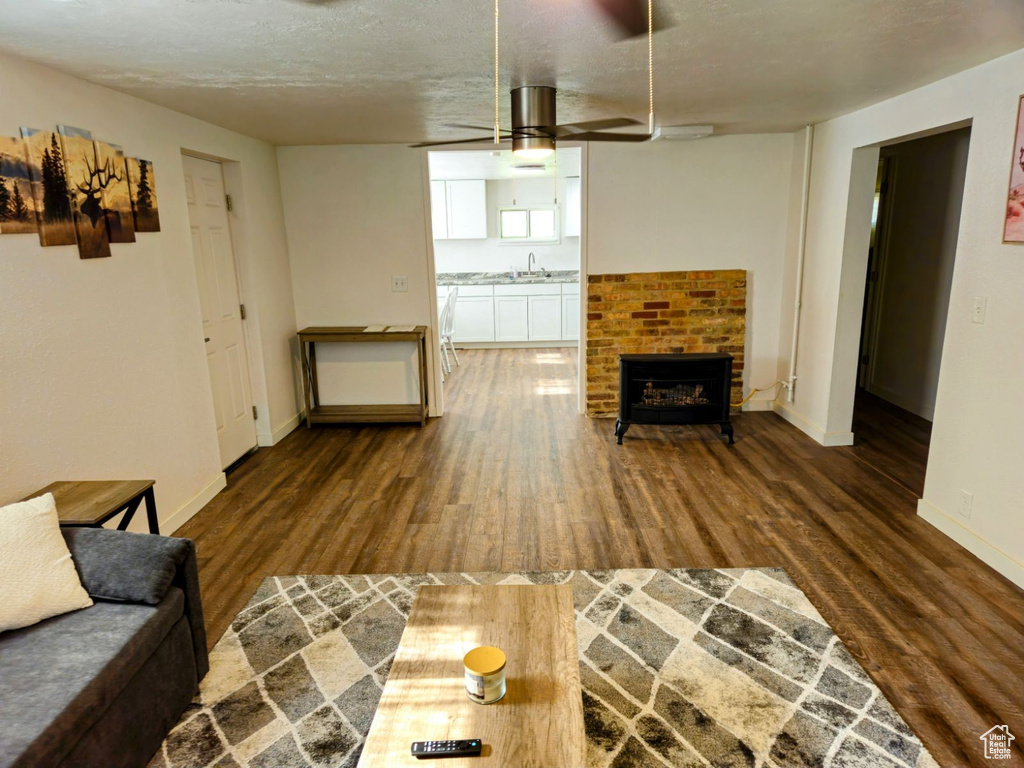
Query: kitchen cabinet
(474, 318)
(467, 209)
(571, 317)
(439, 209)
(516, 312)
(458, 209)
(573, 206)
(511, 318)
(544, 315)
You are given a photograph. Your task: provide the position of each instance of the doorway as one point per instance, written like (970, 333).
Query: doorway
(227, 354)
(507, 240)
(915, 226)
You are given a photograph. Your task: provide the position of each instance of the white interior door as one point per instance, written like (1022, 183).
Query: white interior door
(226, 353)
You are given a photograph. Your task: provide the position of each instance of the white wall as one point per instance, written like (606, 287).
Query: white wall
(978, 436)
(355, 216)
(103, 371)
(916, 274)
(491, 255)
(718, 203)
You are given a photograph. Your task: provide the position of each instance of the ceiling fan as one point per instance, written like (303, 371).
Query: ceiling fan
(535, 126)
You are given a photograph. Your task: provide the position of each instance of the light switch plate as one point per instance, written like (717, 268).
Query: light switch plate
(399, 283)
(978, 309)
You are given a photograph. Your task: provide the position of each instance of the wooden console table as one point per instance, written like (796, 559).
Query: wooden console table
(340, 414)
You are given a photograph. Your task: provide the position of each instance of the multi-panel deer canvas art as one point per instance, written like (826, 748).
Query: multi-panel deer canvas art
(87, 181)
(17, 205)
(45, 158)
(143, 190)
(71, 189)
(116, 198)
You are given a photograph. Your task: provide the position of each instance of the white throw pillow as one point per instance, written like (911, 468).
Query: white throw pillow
(37, 578)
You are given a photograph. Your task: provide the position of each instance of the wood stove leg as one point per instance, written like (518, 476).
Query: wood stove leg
(727, 430)
(620, 430)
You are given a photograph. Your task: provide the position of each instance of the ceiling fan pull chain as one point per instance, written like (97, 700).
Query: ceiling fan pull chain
(650, 65)
(497, 128)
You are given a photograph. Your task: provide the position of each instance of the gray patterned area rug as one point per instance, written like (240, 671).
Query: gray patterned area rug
(688, 667)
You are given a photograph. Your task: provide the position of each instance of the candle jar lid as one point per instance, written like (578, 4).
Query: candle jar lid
(485, 660)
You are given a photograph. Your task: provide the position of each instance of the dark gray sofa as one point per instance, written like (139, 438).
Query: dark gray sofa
(102, 686)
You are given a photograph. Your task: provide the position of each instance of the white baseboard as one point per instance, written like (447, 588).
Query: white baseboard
(758, 405)
(972, 542)
(200, 500)
(265, 440)
(809, 428)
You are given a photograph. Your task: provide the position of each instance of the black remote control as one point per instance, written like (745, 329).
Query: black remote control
(452, 748)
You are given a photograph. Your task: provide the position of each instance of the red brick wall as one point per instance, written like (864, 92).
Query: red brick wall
(648, 312)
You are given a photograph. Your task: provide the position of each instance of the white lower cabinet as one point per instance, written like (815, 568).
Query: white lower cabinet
(571, 317)
(511, 318)
(526, 312)
(474, 318)
(545, 318)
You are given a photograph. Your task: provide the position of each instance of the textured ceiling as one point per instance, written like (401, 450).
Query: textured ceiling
(366, 71)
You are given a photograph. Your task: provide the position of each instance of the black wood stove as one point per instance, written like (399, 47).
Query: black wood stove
(674, 389)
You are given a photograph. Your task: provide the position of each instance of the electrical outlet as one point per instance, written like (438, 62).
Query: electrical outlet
(978, 310)
(966, 500)
(399, 283)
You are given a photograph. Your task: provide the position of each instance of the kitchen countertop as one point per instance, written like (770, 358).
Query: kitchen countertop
(502, 278)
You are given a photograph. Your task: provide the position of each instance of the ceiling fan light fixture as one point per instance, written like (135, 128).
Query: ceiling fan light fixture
(533, 148)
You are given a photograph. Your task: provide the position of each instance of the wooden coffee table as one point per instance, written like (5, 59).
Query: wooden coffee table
(539, 722)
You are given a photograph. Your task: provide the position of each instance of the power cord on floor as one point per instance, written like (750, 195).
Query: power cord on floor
(753, 392)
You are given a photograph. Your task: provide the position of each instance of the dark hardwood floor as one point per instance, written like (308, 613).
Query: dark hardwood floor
(512, 478)
(891, 440)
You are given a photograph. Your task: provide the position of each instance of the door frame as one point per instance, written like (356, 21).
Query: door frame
(231, 174)
(437, 389)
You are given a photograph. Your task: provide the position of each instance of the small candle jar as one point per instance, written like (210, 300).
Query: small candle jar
(485, 674)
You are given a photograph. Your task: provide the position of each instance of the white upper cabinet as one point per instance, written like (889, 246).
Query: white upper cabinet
(573, 206)
(467, 209)
(439, 209)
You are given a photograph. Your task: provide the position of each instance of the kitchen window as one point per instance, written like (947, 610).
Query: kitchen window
(528, 225)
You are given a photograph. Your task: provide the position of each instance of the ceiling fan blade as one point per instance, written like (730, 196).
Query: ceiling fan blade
(630, 16)
(488, 139)
(599, 136)
(569, 129)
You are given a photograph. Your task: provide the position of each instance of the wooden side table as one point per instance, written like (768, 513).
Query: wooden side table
(90, 503)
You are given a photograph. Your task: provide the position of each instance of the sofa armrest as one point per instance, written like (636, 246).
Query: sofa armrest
(140, 568)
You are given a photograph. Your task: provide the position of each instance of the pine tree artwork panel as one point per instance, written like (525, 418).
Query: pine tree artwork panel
(17, 203)
(116, 198)
(86, 182)
(142, 184)
(46, 169)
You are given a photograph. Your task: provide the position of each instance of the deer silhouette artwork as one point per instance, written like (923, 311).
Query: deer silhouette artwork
(93, 184)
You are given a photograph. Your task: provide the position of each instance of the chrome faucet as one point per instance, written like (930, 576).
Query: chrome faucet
(530, 262)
